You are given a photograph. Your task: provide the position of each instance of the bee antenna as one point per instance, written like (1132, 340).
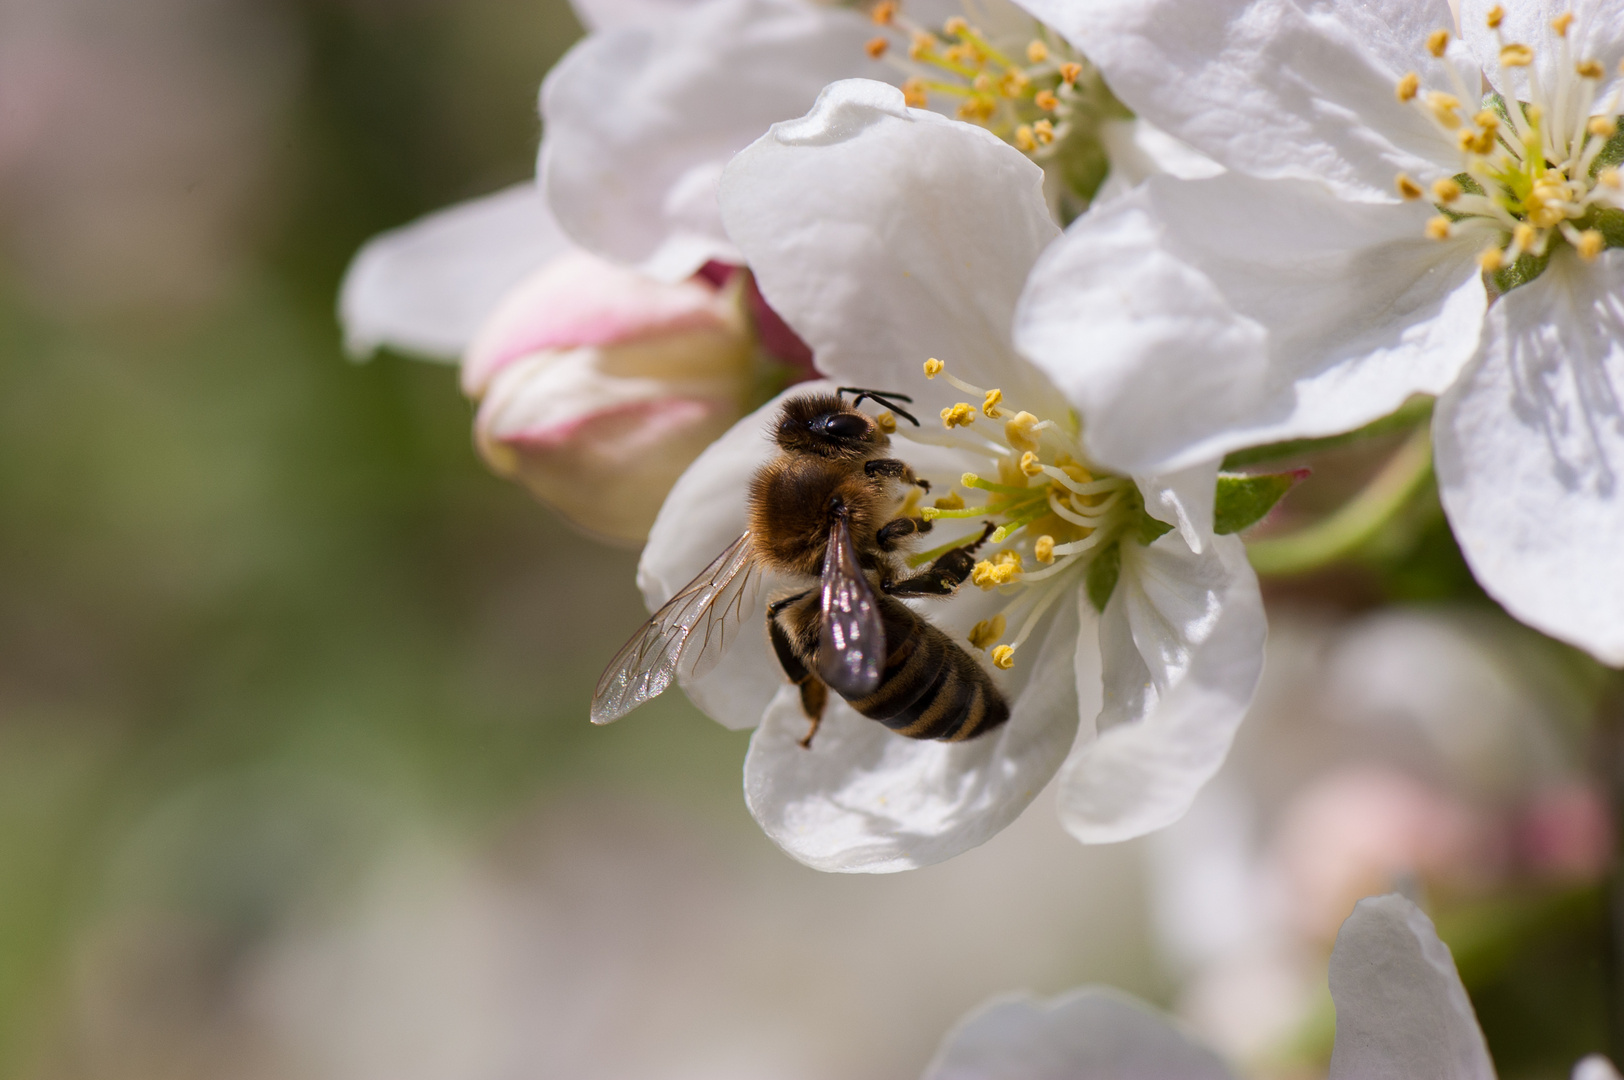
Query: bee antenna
(882, 397)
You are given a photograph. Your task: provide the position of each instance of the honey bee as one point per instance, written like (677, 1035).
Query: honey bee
(824, 514)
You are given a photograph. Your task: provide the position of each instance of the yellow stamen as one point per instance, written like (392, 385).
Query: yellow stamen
(1025, 141)
(1036, 52)
(914, 95)
(1030, 465)
(1603, 127)
(1516, 56)
(1491, 260)
(1589, 69)
(1438, 228)
(887, 422)
(960, 415)
(1609, 178)
(981, 83)
(921, 45)
(1021, 431)
(983, 575)
(987, 631)
(876, 47)
(1488, 120)
(1409, 86)
(951, 501)
(1043, 549)
(989, 406)
(1070, 73)
(1445, 108)
(1590, 245)
(1561, 23)
(1437, 42)
(1046, 100)
(1446, 190)
(1496, 14)
(933, 367)
(957, 26)
(1044, 130)
(1407, 187)
(1003, 658)
(1014, 83)
(884, 12)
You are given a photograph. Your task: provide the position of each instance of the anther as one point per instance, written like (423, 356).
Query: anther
(1437, 42)
(1491, 260)
(1446, 190)
(1036, 52)
(1025, 141)
(1589, 69)
(1496, 15)
(987, 631)
(957, 26)
(1003, 658)
(1021, 431)
(1561, 23)
(1407, 187)
(1475, 142)
(1030, 465)
(1046, 100)
(984, 575)
(884, 12)
(1609, 178)
(1409, 86)
(1445, 108)
(951, 501)
(1488, 120)
(1603, 127)
(981, 83)
(1070, 73)
(960, 415)
(914, 95)
(989, 406)
(1438, 228)
(1516, 56)
(1014, 83)
(876, 47)
(1043, 549)
(933, 367)
(1044, 130)
(887, 422)
(1590, 245)
(921, 45)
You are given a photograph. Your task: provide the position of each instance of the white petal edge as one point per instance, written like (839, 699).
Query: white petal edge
(1189, 318)
(1091, 1033)
(1530, 454)
(887, 235)
(1181, 643)
(1400, 1007)
(866, 800)
(426, 288)
(1595, 1067)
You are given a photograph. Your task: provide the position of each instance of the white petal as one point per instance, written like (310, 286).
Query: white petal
(427, 287)
(1181, 641)
(608, 14)
(1275, 88)
(1400, 1006)
(1139, 150)
(1192, 317)
(1530, 453)
(704, 513)
(1185, 500)
(1597, 34)
(640, 123)
(1093, 1033)
(886, 235)
(866, 800)
(1595, 1067)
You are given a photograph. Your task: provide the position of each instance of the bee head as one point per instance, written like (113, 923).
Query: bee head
(825, 425)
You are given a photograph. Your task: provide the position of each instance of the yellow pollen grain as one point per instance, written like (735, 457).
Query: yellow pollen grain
(1609, 178)
(876, 47)
(1590, 245)
(1044, 130)
(1025, 141)
(960, 415)
(921, 45)
(1475, 142)
(1046, 100)
(957, 26)
(1523, 235)
(914, 95)
(1007, 557)
(1036, 52)
(1446, 190)
(960, 54)
(887, 422)
(884, 12)
(1515, 55)
(1409, 86)
(1043, 549)
(1491, 260)
(983, 575)
(1488, 120)
(1438, 228)
(1561, 23)
(1003, 658)
(1589, 69)
(1496, 15)
(981, 83)
(1603, 127)
(1437, 42)
(989, 405)
(1407, 187)
(1021, 431)
(951, 501)
(1014, 83)
(1445, 108)
(933, 367)
(987, 631)
(1030, 464)
(1070, 73)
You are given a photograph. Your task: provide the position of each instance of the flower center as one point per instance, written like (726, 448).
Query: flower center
(1055, 515)
(1532, 173)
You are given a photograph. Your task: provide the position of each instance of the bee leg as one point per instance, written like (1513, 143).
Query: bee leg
(942, 577)
(895, 470)
(814, 695)
(899, 529)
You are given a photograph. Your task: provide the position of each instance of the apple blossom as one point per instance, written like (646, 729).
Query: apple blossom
(1346, 262)
(962, 218)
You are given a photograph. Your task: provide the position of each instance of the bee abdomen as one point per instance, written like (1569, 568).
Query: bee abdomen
(930, 687)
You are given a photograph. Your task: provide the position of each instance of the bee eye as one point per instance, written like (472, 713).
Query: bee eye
(842, 426)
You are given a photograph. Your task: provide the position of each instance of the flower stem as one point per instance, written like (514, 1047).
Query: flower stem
(1357, 521)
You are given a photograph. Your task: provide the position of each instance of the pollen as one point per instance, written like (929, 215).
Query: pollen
(1446, 190)
(1516, 56)
(1445, 108)
(1409, 86)
(1437, 42)
(1590, 245)
(887, 422)
(1003, 658)
(957, 26)
(1488, 120)
(933, 367)
(876, 47)
(1036, 52)
(921, 45)
(1025, 141)
(1438, 228)
(1407, 187)
(984, 575)
(1070, 73)
(914, 95)
(1561, 23)
(951, 501)
(1492, 260)
(884, 12)
(1609, 178)
(1524, 235)
(987, 631)
(1044, 130)
(1030, 465)
(1021, 431)
(1043, 549)
(1046, 100)
(960, 415)
(989, 406)
(1589, 69)
(1496, 15)
(1603, 127)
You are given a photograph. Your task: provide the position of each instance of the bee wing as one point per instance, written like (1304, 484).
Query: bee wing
(645, 665)
(851, 637)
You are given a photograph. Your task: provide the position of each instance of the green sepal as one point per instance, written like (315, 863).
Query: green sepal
(1150, 528)
(1241, 501)
(1103, 573)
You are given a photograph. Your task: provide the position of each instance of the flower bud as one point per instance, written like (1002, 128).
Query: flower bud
(597, 386)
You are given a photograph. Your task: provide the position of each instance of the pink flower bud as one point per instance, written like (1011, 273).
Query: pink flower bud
(598, 386)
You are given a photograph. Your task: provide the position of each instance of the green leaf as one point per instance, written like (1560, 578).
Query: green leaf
(1103, 573)
(1150, 528)
(1241, 501)
(1411, 414)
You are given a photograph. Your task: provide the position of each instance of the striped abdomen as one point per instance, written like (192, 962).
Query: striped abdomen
(930, 688)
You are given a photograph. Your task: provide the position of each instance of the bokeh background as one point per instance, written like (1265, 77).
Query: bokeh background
(295, 776)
